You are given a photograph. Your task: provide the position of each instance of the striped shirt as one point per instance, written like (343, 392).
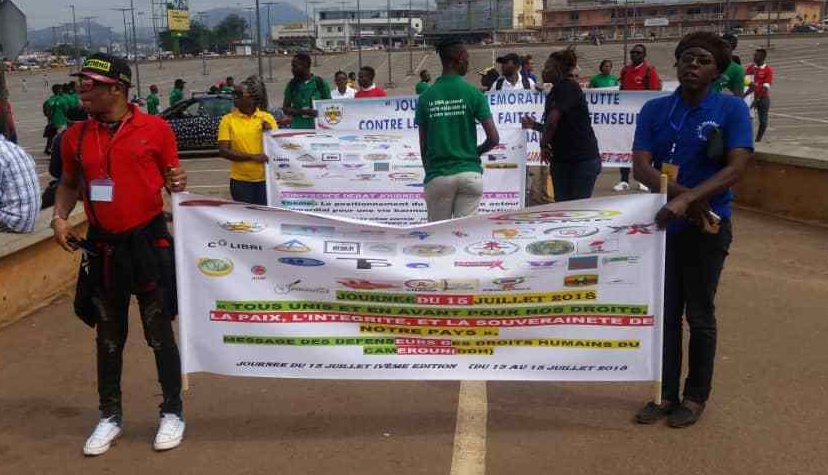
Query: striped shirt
(19, 189)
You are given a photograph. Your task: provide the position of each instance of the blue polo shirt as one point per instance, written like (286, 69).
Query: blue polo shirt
(667, 121)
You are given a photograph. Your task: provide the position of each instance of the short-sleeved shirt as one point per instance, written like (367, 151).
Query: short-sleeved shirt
(135, 158)
(176, 96)
(348, 94)
(733, 79)
(58, 105)
(19, 190)
(421, 87)
(762, 79)
(603, 80)
(246, 135)
(667, 120)
(574, 139)
(373, 91)
(642, 77)
(227, 89)
(152, 104)
(301, 94)
(450, 110)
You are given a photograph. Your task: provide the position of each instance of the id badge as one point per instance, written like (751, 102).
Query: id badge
(101, 190)
(671, 170)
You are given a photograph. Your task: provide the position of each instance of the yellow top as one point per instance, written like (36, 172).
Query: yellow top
(245, 135)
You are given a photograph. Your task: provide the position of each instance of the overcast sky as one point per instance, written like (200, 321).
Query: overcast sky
(47, 13)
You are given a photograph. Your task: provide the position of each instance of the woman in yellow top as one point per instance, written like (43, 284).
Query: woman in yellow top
(241, 140)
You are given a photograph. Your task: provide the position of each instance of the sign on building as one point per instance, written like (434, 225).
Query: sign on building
(178, 20)
(656, 22)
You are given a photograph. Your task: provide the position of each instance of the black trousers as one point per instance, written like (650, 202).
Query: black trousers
(254, 193)
(574, 180)
(694, 262)
(112, 334)
(762, 109)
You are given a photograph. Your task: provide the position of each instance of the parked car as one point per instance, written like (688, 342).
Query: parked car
(805, 29)
(195, 121)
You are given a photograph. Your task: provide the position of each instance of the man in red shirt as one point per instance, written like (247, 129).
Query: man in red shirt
(639, 75)
(762, 75)
(117, 162)
(367, 88)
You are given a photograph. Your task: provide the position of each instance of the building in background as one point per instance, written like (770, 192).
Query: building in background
(576, 20)
(292, 36)
(337, 30)
(506, 21)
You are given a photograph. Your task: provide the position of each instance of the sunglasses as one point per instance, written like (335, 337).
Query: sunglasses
(701, 60)
(87, 84)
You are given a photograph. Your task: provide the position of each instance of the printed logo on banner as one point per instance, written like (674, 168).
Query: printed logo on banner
(492, 248)
(311, 165)
(580, 280)
(404, 176)
(283, 165)
(214, 266)
(598, 246)
(375, 157)
(341, 247)
(634, 229)
(306, 157)
(380, 247)
(583, 262)
(406, 167)
(486, 264)
(295, 286)
(382, 167)
(513, 233)
(550, 247)
(432, 285)
(221, 243)
(428, 250)
(421, 235)
(363, 233)
(541, 265)
(281, 159)
(572, 232)
(333, 114)
(300, 261)
(242, 226)
(258, 272)
(352, 157)
(324, 146)
(418, 265)
(354, 166)
(362, 284)
(500, 166)
(367, 264)
(294, 245)
(496, 157)
(409, 156)
(331, 157)
(507, 284)
(459, 233)
(617, 281)
(365, 177)
(305, 230)
(581, 215)
(353, 147)
(291, 146)
(620, 260)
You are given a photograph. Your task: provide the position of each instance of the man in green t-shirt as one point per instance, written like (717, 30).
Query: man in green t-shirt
(447, 113)
(605, 78)
(177, 93)
(301, 91)
(733, 78)
(425, 82)
(153, 100)
(57, 106)
(229, 86)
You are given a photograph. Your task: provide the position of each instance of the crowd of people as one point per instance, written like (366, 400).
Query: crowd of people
(698, 136)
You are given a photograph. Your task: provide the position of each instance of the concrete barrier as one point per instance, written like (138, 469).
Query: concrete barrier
(787, 181)
(34, 270)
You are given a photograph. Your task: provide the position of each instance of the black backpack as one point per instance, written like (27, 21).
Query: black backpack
(524, 79)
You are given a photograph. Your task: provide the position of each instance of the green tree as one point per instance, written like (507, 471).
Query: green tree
(229, 30)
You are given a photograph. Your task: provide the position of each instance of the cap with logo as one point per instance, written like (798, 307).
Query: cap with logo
(106, 68)
(513, 57)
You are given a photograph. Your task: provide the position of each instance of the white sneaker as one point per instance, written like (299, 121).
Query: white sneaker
(643, 187)
(103, 436)
(621, 186)
(170, 432)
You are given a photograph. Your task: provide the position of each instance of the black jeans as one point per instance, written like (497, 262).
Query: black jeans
(762, 108)
(112, 335)
(625, 174)
(574, 180)
(253, 192)
(694, 264)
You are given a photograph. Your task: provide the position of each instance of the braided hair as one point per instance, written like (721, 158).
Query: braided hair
(567, 59)
(257, 90)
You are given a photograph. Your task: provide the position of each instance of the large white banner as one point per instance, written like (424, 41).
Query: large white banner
(377, 176)
(613, 114)
(567, 292)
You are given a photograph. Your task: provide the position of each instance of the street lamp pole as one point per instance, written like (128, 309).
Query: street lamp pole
(315, 33)
(269, 42)
(135, 48)
(200, 16)
(259, 39)
(410, 51)
(359, 34)
(75, 40)
(390, 84)
(626, 27)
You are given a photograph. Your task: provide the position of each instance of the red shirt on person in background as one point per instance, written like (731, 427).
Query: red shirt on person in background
(136, 155)
(373, 91)
(762, 79)
(642, 77)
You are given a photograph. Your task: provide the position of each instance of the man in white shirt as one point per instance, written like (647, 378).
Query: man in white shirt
(342, 90)
(511, 76)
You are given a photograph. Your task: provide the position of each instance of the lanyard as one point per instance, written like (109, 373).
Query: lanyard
(108, 154)
(676, 127)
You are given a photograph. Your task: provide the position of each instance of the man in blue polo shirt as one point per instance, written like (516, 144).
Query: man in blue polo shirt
(703, 141)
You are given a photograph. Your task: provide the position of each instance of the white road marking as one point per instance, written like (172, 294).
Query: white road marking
(808, 63)
(469, 454)
(797, 117)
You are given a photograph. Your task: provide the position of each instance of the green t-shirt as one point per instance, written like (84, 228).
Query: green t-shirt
(176, 96)
(300, 94)
(733, 78)
(450, 110)
(601, 80)
(58, 105)
(421, 87)
(152, 104)
(227, 89)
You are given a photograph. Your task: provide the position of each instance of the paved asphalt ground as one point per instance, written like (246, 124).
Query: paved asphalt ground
(767, 414)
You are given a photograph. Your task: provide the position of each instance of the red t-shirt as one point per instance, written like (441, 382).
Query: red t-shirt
(632, 78)
(376, 91)
(762, 76)
(139, 153)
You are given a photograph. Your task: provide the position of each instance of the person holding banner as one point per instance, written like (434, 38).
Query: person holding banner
(117, 162)
(241, 140)
(367, 87)
(568, 143)
(605, 78)
(342, 89)
(703, 141)
(301, 91)
(446, 117)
